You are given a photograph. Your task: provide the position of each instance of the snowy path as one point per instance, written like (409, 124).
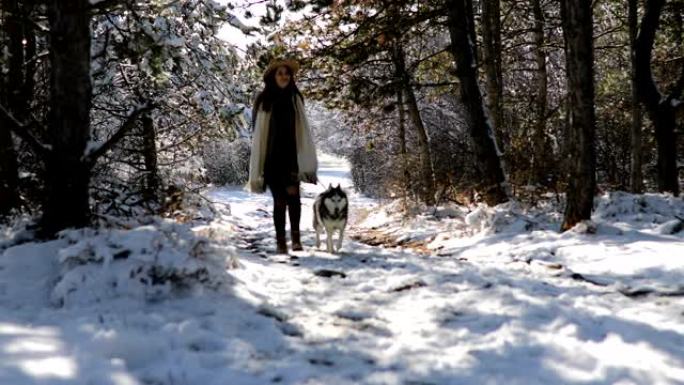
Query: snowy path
(497, 309)
(401, 318)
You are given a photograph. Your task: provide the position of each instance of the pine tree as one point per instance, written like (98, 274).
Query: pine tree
(577, 31)
(461, 31)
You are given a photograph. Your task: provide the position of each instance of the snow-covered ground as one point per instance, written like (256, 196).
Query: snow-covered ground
(478, 296)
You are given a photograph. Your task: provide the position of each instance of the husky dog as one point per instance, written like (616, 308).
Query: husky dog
(330, 212)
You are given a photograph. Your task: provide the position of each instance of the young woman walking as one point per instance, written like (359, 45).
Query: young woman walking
(283, 152)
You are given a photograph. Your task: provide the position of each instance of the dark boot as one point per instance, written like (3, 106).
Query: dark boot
(281, 245)
(296, 242)
(279, 209)
(294, 208)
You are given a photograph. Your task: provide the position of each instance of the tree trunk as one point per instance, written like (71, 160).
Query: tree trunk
(27, 89)
(659, 107)
(427, 171)
(540, 145)
(9, 97)
(577, 22)
(635, 176)
(151, 184)
(666, 142)
(68, 175)
(491, 34)
(9, 176)
(464, 53)
(406, 177)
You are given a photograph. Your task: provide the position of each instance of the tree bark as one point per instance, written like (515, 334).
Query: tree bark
(635, 176)
(464, 53)
(406, 177)
(9, 176)
(491, 36)
(658, 106)
(427, 170)
(577, 22)
(151, 187)
(540, 143)
(68, 175)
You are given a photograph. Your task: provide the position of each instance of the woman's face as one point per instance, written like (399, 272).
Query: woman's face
(282, 76)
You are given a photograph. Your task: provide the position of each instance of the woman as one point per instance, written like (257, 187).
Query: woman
(283, 153)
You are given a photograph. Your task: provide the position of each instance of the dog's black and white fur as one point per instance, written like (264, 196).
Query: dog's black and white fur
(330, 213)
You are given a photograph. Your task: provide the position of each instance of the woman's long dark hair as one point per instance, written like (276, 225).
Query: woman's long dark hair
(271, 91)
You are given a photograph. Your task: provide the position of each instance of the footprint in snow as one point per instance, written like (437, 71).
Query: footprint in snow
(205, 343)
(327, 273)
(353, 315)
(321, 361)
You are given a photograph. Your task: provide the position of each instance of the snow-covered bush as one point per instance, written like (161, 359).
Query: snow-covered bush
(660, 213)
(227, 162)
(147, 262)
(16, 230)
(640, 210)
(512, 217)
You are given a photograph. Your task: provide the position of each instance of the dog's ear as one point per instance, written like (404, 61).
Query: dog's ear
(338, 186)
(329, 185)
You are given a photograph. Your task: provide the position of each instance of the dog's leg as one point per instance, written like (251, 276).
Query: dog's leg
(329, 232)
(318, 237)
(339, 240)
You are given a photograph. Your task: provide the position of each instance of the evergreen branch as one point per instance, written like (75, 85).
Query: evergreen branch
(93, 154)
(678, 88)
(23, 131)
(415, 64)
(105, 5)
(235, 22)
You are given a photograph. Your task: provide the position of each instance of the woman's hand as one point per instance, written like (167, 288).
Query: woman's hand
(310, 178)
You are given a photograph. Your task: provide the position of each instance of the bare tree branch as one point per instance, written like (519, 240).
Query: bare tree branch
(23, 131)
(93, 154)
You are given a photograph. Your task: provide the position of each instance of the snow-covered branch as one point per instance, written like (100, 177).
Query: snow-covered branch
(94, 151)
(104, 5)
(235, 22)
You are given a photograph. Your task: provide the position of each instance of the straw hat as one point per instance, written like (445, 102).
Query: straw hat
(274, 64)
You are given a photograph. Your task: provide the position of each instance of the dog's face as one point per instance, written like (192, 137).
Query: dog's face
(335, 200)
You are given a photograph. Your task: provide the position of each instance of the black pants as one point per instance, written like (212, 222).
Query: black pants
(286, 197)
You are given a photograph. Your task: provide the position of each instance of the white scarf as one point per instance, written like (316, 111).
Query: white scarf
(306, 151)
